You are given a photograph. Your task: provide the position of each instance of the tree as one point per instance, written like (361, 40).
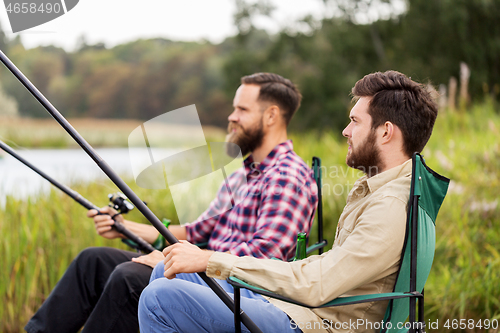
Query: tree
(8, 104)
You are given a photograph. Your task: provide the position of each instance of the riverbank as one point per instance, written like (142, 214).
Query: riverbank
(47, 133)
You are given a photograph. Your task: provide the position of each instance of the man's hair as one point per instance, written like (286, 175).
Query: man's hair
(276, 89)
(405, 103)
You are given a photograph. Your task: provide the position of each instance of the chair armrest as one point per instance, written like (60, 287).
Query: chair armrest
(235, 282)
(348, 300)
(316, 246)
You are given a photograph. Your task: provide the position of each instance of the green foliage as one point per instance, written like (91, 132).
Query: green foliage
(138, 80)
(145, 78)
(465, 275)
(9, 104)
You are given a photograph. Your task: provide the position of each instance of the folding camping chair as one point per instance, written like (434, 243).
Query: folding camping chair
(427, 193)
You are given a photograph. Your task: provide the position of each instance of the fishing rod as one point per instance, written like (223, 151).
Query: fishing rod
(123, 208)
(141, 206)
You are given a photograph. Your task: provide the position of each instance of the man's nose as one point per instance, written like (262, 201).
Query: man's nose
(345, 132)
(232, 117)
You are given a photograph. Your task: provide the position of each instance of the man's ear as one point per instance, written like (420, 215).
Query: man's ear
(388, 132)
(272, 115)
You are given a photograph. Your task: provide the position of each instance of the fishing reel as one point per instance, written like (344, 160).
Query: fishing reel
(120, 202)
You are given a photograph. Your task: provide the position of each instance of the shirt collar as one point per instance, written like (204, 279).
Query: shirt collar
(377, 181)
(271, 159)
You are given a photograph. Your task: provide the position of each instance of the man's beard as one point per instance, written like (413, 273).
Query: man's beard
(366, 157)
(246, 139)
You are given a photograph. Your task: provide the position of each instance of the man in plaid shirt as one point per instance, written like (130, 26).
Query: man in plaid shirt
(101, 287)
(278, 206)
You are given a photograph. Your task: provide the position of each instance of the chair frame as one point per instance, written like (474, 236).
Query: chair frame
(318, 178)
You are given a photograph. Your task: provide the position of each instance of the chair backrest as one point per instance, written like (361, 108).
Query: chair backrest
(427, 193)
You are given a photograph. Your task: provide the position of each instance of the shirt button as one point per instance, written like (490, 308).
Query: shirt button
(217, 272)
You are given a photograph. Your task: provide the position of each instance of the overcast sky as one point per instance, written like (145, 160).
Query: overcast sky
(117, 21)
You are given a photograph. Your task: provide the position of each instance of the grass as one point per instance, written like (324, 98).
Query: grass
(466, 271)
(41, 236)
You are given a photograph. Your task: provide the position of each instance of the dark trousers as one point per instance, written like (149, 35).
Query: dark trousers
(100, 289)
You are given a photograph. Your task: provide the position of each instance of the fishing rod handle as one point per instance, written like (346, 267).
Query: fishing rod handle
(145, 246)
(120, 227)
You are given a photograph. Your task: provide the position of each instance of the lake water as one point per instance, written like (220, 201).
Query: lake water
(64, 165)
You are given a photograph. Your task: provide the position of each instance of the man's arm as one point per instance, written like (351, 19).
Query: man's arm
(185, 257)
(153, 258)
(103, 224)
(369, 253)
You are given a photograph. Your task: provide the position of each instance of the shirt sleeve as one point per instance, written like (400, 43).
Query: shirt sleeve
(372, 251)
(287, 205)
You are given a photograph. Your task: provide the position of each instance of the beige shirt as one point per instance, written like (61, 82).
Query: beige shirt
(364, 259)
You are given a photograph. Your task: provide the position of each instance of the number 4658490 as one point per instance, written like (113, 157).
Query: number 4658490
(32, 8)
(470, 323)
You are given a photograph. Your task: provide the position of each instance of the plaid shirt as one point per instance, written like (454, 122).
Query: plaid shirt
(277, 202)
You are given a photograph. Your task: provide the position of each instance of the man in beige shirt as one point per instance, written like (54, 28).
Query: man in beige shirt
(392, 118)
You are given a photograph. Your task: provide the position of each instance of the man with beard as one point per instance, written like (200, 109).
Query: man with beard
(393, 118)
(101, 287)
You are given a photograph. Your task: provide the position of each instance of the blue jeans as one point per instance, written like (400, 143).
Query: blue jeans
(187, 304)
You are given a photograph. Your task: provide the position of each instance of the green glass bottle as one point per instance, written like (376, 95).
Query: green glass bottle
(300, 252)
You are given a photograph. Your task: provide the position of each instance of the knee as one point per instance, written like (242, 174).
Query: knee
(150, 304)
(148, 301)
(130, 277)
(160, 289)
(164, 289)
(147, 297)
(124, 271)
(88, 257)
(127, 271)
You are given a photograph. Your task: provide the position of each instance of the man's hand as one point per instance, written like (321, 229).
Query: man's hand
(103, 223)
(184, 257)
(151, 259)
